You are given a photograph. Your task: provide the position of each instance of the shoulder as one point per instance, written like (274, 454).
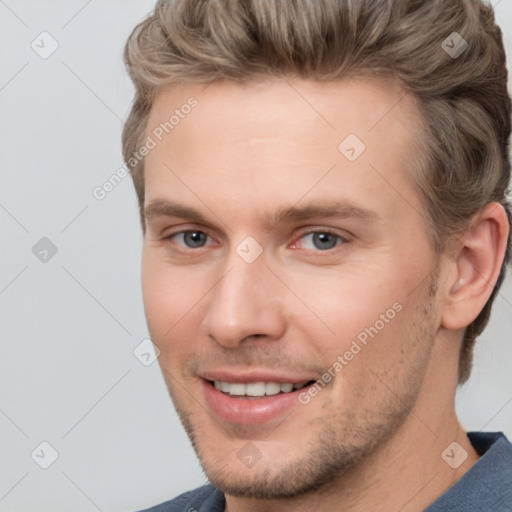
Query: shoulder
(487, 485)
(203, 499)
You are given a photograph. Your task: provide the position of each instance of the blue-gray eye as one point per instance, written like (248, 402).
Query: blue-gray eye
(193, 239)
(322, 240)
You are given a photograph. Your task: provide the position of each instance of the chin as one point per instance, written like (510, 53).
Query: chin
(273, 477)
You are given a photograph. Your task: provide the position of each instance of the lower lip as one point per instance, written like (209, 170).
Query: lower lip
(248, 411)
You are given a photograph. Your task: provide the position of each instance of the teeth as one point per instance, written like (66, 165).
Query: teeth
(236, 389)
(272, 388)
(252, 389)
(256, 388)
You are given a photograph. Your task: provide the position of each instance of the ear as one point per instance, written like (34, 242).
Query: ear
(476, 266)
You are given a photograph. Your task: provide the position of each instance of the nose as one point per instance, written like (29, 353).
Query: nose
(247, 301)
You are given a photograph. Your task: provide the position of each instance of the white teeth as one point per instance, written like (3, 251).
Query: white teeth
(256, 388)
(236, 389)
(272, 388)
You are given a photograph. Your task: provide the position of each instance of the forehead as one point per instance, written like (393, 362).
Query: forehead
(281, 139)
(272, 107)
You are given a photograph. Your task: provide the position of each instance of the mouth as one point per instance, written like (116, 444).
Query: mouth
(252, 403)
(257, 390)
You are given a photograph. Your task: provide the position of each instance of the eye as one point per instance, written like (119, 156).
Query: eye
(322, 240)
(190, 239)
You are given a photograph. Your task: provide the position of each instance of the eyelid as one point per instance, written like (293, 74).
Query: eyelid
(331, 231)
(170, 235)
(307, 231)
(180, 228)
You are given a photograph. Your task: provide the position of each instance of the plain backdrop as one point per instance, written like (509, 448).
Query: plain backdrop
(70, 295)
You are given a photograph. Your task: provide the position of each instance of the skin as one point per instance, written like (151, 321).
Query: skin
(372, 438)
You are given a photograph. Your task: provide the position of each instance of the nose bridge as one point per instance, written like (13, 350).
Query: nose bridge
(245, 301)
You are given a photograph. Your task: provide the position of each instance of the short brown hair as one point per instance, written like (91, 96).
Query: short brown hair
(463, 98)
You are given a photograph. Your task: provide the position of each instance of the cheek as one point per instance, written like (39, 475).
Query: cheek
(172, 300)
(163, 296)
(339, 306)
(364, 313)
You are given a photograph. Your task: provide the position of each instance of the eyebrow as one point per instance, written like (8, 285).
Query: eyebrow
(326, 208)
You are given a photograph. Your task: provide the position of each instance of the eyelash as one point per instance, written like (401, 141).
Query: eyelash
(342, 239)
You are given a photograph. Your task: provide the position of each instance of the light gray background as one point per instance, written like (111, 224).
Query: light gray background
(68, 373)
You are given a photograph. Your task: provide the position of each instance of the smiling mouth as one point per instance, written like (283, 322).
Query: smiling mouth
(257, 390)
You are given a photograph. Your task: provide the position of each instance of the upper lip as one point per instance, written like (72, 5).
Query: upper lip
(253, 375)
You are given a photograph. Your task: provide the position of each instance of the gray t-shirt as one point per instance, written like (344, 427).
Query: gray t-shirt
(486, 486)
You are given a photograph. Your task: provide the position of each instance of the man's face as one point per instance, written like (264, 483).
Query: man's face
(246, 299)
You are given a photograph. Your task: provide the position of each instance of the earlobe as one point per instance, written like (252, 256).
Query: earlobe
(476, 267)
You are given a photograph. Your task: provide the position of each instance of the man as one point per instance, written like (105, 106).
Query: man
(322, 190)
